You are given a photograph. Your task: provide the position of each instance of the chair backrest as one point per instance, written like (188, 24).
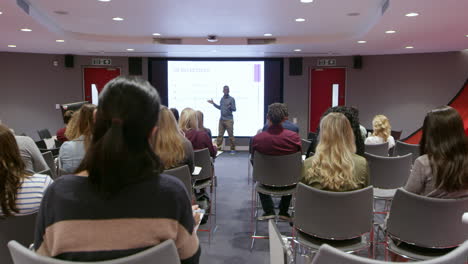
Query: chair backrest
(19, 228)
(184, 175)
(377, 149)
(41, 144)
(44, 133)
(328, 254)
(402, 148)
(427, 222)
(164, 253)
(396, 134)
(389, 172)
(58, 143)
(49, 159)
(277, 171)
(305, 145)
(46, 172)
(278, 250)
(333, 215)
(202, 159)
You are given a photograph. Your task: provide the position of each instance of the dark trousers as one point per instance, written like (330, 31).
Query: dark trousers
(269, 207)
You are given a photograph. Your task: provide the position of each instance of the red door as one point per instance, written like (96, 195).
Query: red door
(97, 77)
(327, 88)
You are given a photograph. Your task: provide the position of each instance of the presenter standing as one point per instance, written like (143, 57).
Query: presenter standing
(227, 105)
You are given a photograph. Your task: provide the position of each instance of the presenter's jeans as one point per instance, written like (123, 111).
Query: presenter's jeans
(223, 126)
(269, 207)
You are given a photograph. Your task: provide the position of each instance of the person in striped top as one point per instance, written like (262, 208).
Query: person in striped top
(21, 193)
(118, 203)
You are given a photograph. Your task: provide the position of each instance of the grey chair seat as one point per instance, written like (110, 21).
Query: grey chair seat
(384, 193)
(348, 245)
(202, 184)
(414, 252)
(288, 190)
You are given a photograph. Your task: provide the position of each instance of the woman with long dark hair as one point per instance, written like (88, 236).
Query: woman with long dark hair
(118, 203)
(442, 169)
(20, 192)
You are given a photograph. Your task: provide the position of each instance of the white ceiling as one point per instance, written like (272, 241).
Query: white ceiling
(88, 28)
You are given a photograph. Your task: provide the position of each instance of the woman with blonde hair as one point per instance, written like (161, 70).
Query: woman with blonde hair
(335, 166)
(170, 145)
(79, 131)
(20, 191)
(188, 123)
(201, 126)
(382, 131)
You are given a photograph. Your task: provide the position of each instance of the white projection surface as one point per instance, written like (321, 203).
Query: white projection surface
(192, 83)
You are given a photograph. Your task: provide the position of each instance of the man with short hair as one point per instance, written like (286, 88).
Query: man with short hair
(286, 124)
(276, 140)
(227, 105)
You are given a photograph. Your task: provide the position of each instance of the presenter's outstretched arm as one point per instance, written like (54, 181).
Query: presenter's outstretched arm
(214, 104)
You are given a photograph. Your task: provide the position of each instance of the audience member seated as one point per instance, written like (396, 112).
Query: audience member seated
(31, 155)
(78, 132)
(188, 123)
(286, 124)
(442, 169)
(170, 145)
(352, 114)
(382, 132)
(335, 166)
(175, 112)
(20, 191)
(118, 203)
(201, 126)
(61, 132)
(276, 140)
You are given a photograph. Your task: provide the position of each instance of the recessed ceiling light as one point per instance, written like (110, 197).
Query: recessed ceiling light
(409, 47)
(26, 29)
(362, 41)
(117, 19)
(104, 0)
(156, 34)
(307, 1)
(390, 31)
(12, 46)
(130, 49)
(1, 12)
(412, 14)
(60, 40)
(267, 34)
(466, 36)
(297, 50)
(300, 19)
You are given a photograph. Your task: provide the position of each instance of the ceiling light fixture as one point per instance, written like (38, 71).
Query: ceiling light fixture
(412, 14)
(156, 34)
(26, 29)
(409, 47)
(362, 41)
(466, 36)
(12, 46)
(267, 34)
(300, 19)
(117, 19)
(1, 12)
(297, 50)
(130, 49)
(390, 31)
(306, 1)
(104, 0)
(60, 40)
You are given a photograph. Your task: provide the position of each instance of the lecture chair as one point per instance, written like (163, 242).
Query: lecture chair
(377, 149)
(164, 253)
(205, 179)
(273, 175)
(429, 227)
(280, 248)
(402, 148)
(341, 219)
(184, 175)
(19, 228)
(49, 159)
(328, 254)
(44, 133)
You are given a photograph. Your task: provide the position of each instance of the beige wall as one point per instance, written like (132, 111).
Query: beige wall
(403, 87)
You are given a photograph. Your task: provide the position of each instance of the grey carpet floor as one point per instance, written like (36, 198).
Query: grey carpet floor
(230, 243)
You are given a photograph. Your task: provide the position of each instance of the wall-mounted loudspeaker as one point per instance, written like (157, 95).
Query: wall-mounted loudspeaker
(135, 66)
(69, 61)
(295, 66)
(357, 62)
